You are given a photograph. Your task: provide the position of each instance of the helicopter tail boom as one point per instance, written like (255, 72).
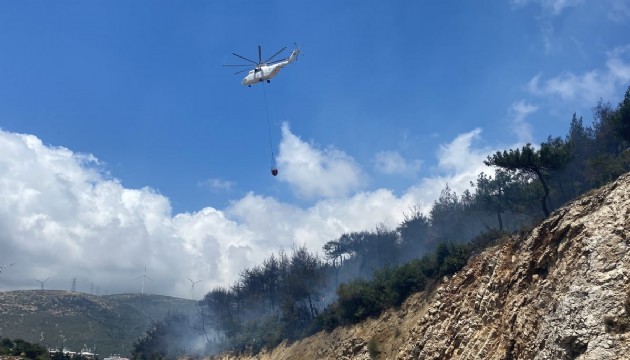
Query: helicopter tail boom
(293, 56)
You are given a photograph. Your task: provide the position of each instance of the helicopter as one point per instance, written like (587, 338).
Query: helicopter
(264, 70)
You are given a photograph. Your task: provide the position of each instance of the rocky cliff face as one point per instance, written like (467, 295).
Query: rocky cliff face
(561, 291)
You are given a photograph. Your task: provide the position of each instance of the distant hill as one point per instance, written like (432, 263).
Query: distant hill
(108, 323)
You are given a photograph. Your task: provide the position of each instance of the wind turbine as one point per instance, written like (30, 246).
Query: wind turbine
(5, 266)
(144, 276)
(41, 283)
(192, 287)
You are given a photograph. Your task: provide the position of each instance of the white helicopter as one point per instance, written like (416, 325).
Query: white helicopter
(265, 70)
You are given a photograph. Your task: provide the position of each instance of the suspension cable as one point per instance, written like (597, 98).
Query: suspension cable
(273, 157)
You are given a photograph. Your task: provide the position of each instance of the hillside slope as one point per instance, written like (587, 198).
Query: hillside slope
(109, 323)
(561, 291)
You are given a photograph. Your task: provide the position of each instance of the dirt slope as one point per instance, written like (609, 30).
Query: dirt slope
(561, 291)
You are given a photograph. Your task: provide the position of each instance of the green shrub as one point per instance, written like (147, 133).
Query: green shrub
(373, 349)
(356, 300)
(20, 347)
(327, 320)
(408, 279)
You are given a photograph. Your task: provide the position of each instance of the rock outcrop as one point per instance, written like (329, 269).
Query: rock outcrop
(561, 291)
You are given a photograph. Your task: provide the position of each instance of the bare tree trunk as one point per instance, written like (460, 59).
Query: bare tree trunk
(546, 195)
(500, 220)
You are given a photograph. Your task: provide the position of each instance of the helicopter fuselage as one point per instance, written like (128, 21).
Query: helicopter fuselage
(266, 72)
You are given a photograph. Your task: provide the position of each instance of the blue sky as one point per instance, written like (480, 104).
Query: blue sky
(122, 110)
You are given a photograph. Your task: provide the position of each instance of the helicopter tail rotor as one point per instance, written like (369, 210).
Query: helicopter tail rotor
(298, 50)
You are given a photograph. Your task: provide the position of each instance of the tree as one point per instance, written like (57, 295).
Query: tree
(492, 194)
(415, 234)
(573, 180)
(220, 305)
(386, 246)
(21, 348)
(271, 280)
(611, 156)
(505, 192)
(165, 339)
(335, 250)
(306, 278)
(447, 217)
(553, 155)
(621, 120)
(361, 247)
(253, 290)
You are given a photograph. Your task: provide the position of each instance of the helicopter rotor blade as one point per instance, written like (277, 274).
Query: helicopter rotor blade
(259, 55)
(274, 55)
(244, 58)
(299, 50)
(242, 71)
(236, 65)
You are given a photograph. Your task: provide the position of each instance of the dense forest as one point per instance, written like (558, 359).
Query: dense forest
(295, 293)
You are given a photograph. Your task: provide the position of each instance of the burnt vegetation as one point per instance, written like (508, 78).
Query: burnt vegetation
(296, 293)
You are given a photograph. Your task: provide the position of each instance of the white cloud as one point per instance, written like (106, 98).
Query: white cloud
(590, 86)
(550, 10)
(60, 216)
(57, 211)
(458, 155)
(619, 10)
(283, 225)
(459, 163)
(210, 240)
(391, 162)
(315, 173)
(550, 7)
(519, 2)
(557, 6)
(618, 64)
(518, 112)
(215, 184)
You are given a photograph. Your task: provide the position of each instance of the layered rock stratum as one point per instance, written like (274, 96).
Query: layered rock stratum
(560, 291)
